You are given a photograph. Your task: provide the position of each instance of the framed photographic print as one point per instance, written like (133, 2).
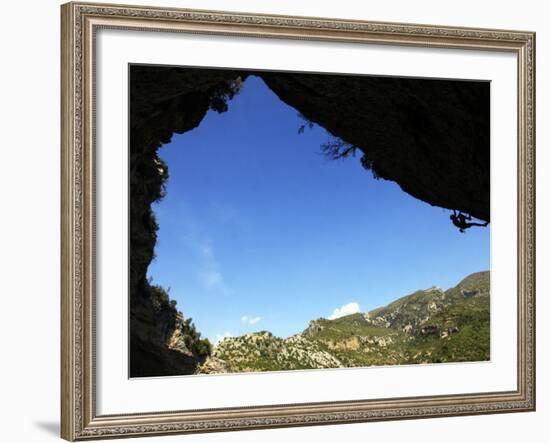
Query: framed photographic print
(283, 221)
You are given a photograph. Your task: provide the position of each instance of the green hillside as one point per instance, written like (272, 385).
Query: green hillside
(428, 326)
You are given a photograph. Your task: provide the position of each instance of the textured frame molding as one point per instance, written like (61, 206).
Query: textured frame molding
(79, 21)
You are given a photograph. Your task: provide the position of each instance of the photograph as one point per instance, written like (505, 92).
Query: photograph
(283, 221)
(274, 220)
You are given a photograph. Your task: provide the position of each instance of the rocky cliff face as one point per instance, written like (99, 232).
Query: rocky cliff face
(428, 326)
(163, 101)
(162, 341)
(429, 136)
(262, 351)
(153, 321)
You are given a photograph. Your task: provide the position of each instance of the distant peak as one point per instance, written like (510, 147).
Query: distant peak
(433, 289)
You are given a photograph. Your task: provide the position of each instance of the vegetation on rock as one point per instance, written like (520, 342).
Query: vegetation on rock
(428, 326)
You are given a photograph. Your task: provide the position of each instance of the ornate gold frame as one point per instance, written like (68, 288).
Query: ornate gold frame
(79, 420)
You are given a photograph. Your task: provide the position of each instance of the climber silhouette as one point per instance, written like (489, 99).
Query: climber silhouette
(462, 221)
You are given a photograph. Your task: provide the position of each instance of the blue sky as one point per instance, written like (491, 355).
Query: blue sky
(259, 231)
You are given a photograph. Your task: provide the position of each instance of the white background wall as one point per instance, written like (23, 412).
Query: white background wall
(29, 218)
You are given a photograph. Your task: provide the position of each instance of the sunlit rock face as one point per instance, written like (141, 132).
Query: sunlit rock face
(427, 326)
(431, 137)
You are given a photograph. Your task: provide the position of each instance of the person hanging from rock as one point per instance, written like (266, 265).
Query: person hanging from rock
(462, 221)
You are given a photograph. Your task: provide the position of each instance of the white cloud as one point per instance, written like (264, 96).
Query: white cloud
(220, 337)
(254, 320)
(246, 320)
(350, 308)
(212, 279)
(210, 275)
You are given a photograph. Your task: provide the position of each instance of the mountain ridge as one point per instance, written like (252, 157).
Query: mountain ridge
(426, 326)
